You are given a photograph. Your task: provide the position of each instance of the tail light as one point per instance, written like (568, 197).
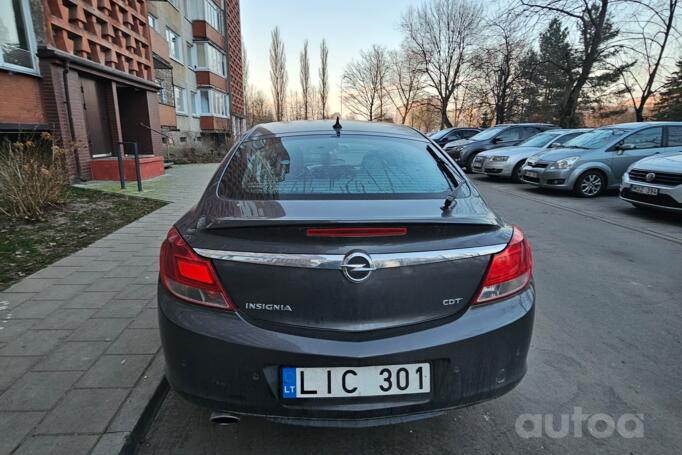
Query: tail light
(509, 272)
(189, 276)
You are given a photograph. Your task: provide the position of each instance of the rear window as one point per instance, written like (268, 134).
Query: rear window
(327, 167)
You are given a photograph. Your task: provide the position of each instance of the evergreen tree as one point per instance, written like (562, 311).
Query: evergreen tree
(669, 105)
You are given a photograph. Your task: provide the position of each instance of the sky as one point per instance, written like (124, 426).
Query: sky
(347, 25)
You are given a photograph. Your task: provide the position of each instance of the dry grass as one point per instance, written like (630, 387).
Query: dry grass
(33, 177)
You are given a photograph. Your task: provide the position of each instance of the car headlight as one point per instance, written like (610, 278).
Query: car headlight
(565, 163)
(500, 158)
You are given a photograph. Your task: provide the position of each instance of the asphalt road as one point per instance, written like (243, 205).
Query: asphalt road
(608, 340)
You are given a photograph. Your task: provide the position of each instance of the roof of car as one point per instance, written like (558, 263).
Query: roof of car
(524, 124)
(298, 127)
(634, 125)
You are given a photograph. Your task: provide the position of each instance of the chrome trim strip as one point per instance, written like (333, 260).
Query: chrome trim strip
(334, 261)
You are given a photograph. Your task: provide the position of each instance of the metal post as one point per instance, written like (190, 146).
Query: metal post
(121, 175)
(137, 167)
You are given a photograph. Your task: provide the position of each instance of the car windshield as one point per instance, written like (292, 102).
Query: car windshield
(595, 139)
(440, 134)
(327, 167)
(539, 140)
(487, 134)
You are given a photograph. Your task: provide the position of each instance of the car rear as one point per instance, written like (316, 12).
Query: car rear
(322, 280)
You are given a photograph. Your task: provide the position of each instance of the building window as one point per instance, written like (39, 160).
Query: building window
(191, 56)
(209, 58)
(213, 15)
(194, 104)
(153, 22)
(17, 45)
(213, 103)
(174, 45)
(180, 100)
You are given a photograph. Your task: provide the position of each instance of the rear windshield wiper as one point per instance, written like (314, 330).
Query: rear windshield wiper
(450, 201)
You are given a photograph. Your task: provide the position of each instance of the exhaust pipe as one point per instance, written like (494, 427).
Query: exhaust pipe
(224, 418)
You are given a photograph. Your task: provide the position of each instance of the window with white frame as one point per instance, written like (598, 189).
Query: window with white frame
(174, 44)
(214, 103)
(213, 15)
(194, 104)
(191, 56)
(153, 22)
(17, 42)
(208, 11)
(209, 58)
(180, 100)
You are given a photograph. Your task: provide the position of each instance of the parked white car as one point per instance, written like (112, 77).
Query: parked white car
(507, 161)
(654, 182)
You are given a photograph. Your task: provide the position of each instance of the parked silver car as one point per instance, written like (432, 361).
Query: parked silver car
(507, 161)
(596, 161)
(656, 181)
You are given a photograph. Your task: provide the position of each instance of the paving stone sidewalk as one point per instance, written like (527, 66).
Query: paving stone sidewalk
(79, 343)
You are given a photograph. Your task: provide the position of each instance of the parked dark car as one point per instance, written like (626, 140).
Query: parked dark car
(448, 135)
(347, 277)
(504, 135)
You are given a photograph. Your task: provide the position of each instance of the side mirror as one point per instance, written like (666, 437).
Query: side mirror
(555, 145)
(496, 140)
(624, 147)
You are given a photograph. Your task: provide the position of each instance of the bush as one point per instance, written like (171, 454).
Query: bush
(33, 177)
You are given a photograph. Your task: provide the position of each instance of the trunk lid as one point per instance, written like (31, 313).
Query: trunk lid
(280, 277)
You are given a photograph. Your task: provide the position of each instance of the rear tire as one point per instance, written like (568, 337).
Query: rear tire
(516, 172)
(470, 163)
(590, 184)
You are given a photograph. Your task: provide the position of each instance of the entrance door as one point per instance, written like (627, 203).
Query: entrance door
(96, 118)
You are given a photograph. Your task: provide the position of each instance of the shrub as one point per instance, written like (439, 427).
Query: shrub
(33, 177)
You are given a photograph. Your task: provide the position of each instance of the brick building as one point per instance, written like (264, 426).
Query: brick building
(196, 48)
(85, 70)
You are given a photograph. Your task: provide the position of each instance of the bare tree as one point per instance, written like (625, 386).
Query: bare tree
(363, 83)
(646, 43)
(498, 72)
(596, 34)
(258, 109)
(441, 33)
(323, 89)
(406, 81)
(304, 76)
(278, 74)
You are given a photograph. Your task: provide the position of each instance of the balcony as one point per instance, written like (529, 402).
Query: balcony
(202, 30)
(210, 123)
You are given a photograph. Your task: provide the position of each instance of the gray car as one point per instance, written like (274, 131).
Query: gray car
(504, 135)
(656, 181)
(506, 162)
(346, 276)
(595, 161)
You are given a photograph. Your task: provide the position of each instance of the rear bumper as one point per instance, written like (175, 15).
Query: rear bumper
(220, 361)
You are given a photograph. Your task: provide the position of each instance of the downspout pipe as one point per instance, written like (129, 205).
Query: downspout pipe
(67, 101)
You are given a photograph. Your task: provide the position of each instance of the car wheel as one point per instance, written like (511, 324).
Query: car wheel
(470, 163)
(590, 184)
(516, 173)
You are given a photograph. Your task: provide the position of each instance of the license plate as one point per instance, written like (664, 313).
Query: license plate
(356, 382)
(644, 190)
(532, 174)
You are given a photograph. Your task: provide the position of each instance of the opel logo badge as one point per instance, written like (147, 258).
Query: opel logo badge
(357, 266)
(650, 177)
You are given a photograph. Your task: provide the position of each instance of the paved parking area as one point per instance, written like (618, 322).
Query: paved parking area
(607, 340)
(79, 345)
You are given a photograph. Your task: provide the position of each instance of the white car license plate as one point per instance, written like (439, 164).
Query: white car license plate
(356, 381)
(532, 174)
(644, 190)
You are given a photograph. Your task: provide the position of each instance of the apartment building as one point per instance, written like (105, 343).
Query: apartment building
(81, 69)
(197, 69)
